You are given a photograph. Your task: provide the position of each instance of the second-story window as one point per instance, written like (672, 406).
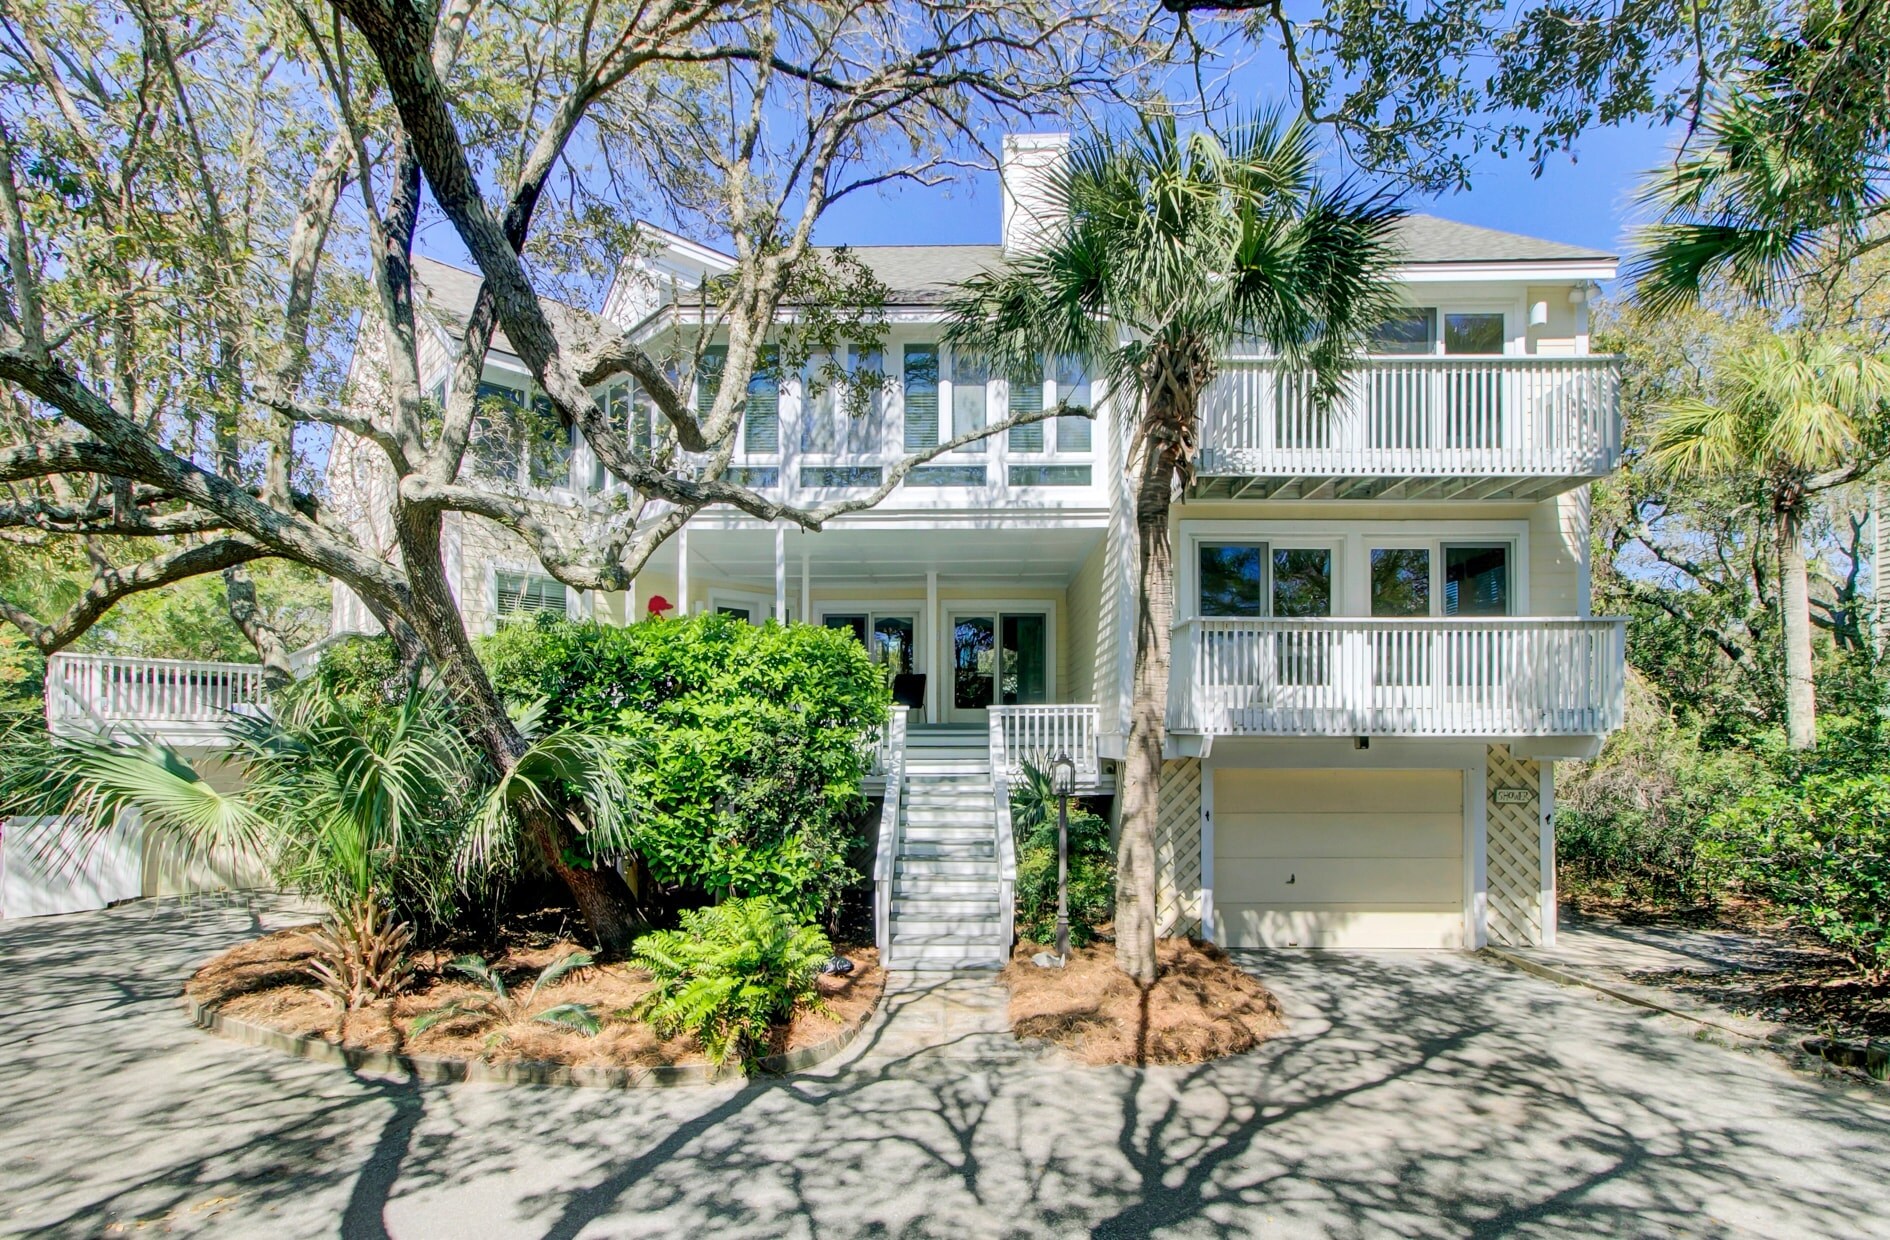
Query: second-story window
(1073, 430)
(1026, 396)
(837, 421)
(521, 441)
(971, 377)
(761, 417)
(921, 397)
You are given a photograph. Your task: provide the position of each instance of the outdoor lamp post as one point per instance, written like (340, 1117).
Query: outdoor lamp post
(1063, 783)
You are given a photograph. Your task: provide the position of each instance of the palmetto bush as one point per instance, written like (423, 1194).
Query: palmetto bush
(504, 1006)
(1092, 861)
(382, 811)
(731, 973)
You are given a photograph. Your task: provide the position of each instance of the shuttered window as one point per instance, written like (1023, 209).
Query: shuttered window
(1026, 397)
(529, 594)
(709, 378)
(921, 380)
(761, 420)
(970, 377)
(1072, 389)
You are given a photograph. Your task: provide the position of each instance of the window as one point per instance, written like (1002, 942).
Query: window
(840, 475)
(709, 377)
(1401, 581)
(519, 594)
(834, 419)
(946, 476)
(1232, 578)
(1026, 396)
(1050, 475)
(521, 440)
(970, 379)
(755, 477)
(1072, 389)
(1302, 582)
(1409, 332)
(1476, 581)
(892, 643)
(921, 392)
(1473, 333)
(761, 417)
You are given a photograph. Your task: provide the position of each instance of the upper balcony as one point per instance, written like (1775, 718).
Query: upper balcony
(1438, 428)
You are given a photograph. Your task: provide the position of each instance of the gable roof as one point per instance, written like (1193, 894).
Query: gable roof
(1431, 239)
(447, 293)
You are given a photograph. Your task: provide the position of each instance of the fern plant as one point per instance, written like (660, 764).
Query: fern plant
(731, 973)
(503, 1007)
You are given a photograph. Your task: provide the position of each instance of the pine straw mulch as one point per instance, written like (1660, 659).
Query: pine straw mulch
(264, 982)
(1203, 1006)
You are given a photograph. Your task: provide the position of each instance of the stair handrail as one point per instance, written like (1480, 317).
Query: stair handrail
(893, 749)
(1006, 845)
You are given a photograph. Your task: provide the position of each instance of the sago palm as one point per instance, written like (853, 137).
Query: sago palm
(1172, 246)
(1800, 415)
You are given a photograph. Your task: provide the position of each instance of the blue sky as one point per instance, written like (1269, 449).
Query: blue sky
(1586, 199)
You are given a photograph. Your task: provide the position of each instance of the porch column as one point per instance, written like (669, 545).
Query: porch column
(780, 573)
(807, 595)
(934, 667)
(682, 570)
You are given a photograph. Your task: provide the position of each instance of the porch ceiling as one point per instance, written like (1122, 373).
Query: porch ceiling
(1526, 489)
(1048, 557)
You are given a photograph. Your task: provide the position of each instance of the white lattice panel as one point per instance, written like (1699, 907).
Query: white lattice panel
(1513, 852)
(1178, 849)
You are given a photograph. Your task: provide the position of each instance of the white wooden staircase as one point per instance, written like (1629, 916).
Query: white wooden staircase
(948, 894)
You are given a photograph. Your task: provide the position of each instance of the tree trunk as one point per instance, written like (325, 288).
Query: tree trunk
(1794, 598)
(239, 590)
(1148, 716)
(603, 899)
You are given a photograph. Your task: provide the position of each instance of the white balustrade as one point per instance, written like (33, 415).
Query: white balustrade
(1514, 676)
(86, 691)
(1417, 417)
(1036, 734)
(889, 761)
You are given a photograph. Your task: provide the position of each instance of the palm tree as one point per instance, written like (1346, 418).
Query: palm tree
(1800, 414)
(383, 812)
(1172, 247)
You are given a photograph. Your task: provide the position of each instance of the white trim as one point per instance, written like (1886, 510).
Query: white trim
(929, 644)
(1524, 271)
(1476, 907)
(1208, 766)
(1545, 805)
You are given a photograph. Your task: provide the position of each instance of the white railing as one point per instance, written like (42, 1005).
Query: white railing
(1417, 417)
(152, 695)
(890, 759)
(1515, 676)
(1006, 840)
(1036, 734)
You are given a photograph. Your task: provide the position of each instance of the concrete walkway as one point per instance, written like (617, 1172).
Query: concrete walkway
(1413, 1095)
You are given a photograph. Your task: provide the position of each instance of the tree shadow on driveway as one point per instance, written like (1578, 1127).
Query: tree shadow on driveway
(1423, 1095)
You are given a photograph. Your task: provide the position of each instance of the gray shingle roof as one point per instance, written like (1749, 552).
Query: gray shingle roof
(448, 292)
(920, 273)
(1428, 239)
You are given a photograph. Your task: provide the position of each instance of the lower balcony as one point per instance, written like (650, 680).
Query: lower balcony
(178, 702)
(1507, 677)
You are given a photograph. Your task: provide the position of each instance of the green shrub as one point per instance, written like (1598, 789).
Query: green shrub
(1092, 863)
(1820, 850)
(731, 974)
(1627, 825)
(754, 742)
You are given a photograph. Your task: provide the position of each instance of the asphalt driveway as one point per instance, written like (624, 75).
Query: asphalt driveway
(1413, 1095)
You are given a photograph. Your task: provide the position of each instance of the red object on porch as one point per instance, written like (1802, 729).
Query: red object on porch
(658, 604)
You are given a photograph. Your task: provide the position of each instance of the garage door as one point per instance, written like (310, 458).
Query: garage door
(1338, 858)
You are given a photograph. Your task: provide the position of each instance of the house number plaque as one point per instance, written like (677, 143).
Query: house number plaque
(1514, 796)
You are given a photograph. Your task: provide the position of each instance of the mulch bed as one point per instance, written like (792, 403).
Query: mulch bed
(264, 982)
(1202, 1007)
(1828, 997)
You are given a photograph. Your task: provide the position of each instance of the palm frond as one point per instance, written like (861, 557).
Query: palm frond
(557, 969)
(578, 1016)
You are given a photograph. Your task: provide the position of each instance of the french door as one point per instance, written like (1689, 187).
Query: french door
(999, 658)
